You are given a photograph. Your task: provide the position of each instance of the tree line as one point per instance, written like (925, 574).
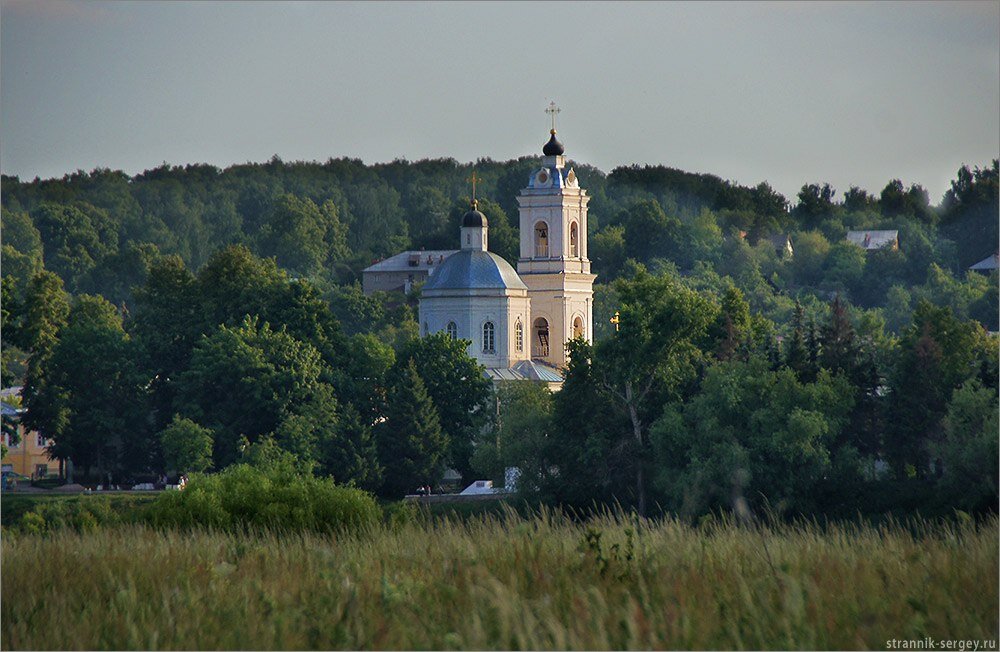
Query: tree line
(190, 318)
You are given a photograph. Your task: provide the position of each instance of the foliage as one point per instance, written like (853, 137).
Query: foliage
(968, 450)
(410, 439)
(231, 299)
(186, 446)
(268, 497)
(750, 435)
(518, 438)
(457, 387)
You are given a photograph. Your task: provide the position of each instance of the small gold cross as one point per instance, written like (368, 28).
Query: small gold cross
(616, 320)
(474, 179)
(553, 110)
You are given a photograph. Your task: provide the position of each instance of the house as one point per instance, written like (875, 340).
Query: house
(29, 455)
(782, 245)
(986, 265)
(400, 272)
(874, 240)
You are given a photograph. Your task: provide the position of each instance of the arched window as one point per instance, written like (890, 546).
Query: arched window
(574, 248)
(426, 330)
(518, 335)
(540, 339)
(452, 330)
(578, 327)
(489, 345)
(541, 240)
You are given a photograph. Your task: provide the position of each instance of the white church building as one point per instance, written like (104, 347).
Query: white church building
(519, 321)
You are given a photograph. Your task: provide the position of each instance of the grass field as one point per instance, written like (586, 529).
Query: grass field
(502, 582)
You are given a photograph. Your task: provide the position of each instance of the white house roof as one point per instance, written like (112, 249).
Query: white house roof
(873, 239)
(986, 264)
(411, 260)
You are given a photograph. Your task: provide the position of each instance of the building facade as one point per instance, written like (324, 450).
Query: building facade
(518, 322)
(28, 452)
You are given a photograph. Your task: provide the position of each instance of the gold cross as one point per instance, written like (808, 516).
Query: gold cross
(616, 320)
(553, 110)
(474, 179)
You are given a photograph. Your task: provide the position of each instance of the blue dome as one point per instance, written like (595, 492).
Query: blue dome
(474, 269)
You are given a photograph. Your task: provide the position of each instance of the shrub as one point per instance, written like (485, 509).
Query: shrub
(244, 496)
(80, 515)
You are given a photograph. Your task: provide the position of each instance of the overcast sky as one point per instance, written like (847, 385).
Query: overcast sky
(851, 94)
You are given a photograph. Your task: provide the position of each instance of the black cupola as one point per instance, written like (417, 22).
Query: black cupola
(553, 147)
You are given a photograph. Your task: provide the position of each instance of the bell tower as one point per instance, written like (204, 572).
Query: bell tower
(553, 262)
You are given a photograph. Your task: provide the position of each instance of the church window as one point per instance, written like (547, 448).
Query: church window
(540, 341)
(488, 339)
(541, 240)
(519, 336)
(452, 330)
(468, 238)
(577, 327)
(574, 248)
(426, 330)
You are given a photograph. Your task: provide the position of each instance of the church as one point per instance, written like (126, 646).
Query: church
(519, 321)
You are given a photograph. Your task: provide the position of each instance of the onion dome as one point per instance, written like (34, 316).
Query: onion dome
(474, 218)
(553, 147)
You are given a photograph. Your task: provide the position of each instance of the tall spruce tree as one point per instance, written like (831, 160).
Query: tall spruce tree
(411, 443)
(797, 355)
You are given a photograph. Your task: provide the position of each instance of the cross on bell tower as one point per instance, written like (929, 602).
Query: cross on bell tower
(552, 111)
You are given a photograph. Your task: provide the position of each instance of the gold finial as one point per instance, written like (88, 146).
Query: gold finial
(552, 111)
(616, 319)
(474, 179)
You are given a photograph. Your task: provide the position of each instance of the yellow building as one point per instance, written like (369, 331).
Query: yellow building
(30, 455)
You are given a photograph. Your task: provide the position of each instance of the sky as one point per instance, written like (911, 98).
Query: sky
(788, 93)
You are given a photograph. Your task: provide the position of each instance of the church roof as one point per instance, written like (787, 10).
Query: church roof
(553, 147)
(474, 218)
(473, 269)
(525, 370)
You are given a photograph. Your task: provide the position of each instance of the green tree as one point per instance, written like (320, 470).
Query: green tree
(411, 444)
(519, 437)
(244, 382)
(652, 354)
(75, 238)
(187, 447)
(649, 232)
(458, 388)
(968, 451)
(607, 250)
(797, 352)
(815, 204)
(811, 250)
(44, 314)
(844, 266)
(92, 401)
(937, 353)
(748, 435)
(351, 455)
(301, 235)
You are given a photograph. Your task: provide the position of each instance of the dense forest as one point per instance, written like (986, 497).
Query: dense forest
(189, 318)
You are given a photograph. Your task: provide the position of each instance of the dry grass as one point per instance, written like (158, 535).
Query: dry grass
(506, 583)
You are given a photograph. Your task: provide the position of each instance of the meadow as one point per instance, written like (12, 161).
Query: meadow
(502, 582)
